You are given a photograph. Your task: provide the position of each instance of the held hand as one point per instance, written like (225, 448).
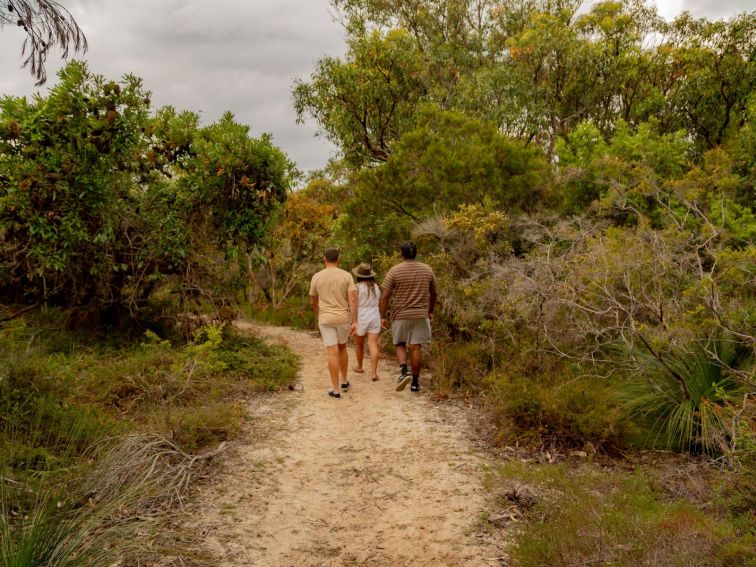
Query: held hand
(353, 329)
(384, 323)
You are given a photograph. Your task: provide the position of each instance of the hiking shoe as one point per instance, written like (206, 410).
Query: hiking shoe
(402, 381)
(415, 386)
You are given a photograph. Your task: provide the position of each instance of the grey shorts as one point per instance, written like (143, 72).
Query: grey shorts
(335, 334)
(411, 331)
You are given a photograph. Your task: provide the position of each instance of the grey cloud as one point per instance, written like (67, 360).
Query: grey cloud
(208, 57)
(717, 9)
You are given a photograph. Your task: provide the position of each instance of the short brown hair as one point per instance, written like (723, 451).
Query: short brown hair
(331, 254)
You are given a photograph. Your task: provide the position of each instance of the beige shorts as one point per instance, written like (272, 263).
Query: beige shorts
(411, 331)
(335, 334)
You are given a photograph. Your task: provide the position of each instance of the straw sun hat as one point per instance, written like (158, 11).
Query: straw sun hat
(363, 271)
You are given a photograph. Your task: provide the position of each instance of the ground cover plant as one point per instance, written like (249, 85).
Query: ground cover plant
(659, 512)
(77, 413)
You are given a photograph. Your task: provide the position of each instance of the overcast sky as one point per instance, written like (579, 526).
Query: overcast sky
(237, 55)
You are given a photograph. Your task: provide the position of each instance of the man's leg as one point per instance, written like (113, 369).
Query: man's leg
(401, 357)
(399, 331)
(333, 366)
(416, 358)
(343, 362)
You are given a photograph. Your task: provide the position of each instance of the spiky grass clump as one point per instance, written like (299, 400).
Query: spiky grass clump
(691, 398)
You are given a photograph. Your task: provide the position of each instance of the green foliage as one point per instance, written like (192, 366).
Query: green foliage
(365, 102)
(553, 406)
(60, 532)
(446, 160)
(63, 401)
(583, 515)
(690, 398)
(101, 202)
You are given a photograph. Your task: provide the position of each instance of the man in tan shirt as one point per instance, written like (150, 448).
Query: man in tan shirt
(412, 284)
(334, 300)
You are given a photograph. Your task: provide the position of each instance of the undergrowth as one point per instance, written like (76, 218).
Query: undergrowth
(294, 312)
(587, 514)
(64, 392)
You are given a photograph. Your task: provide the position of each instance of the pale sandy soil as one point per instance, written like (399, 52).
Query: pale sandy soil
(378, 478)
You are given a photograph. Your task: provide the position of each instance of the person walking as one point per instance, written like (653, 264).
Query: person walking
(334, 300)
(368, 317)
(412, 285)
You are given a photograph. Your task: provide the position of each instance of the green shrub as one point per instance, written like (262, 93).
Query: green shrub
(555, 407)
(195, 428)
(687, 398)
(458, 367)
(263, 367)
(294, 312)
(587, 515)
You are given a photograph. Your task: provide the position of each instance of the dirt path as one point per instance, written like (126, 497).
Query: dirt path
(376, 478)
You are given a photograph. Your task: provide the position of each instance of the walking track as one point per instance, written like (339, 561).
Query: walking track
(378, 478)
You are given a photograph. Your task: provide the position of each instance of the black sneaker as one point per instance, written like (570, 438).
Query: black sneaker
(402, 381)
(334, 394)
(345, 386)
(415, 386)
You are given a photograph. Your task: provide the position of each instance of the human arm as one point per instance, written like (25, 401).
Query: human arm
(353, 309)
(432, 296)
(314, 299)
(385, 295)
(315, 303)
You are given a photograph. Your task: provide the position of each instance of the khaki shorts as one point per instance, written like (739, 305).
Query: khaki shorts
(411, 331)
(335, 334)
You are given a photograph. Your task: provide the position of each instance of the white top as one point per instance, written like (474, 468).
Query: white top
(368, 305)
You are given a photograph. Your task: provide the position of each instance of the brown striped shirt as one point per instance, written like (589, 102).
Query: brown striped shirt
(410, 284)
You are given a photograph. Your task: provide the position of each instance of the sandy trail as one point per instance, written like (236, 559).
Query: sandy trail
(376, 478)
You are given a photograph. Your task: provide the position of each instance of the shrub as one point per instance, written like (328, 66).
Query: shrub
(556, 407)
(458, 367)
(688, 398)
(293, 312)
(585, 515)
(195, 428)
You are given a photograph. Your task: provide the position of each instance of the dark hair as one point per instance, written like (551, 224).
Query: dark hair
(331, 254)
(409, 250)
(371, 284)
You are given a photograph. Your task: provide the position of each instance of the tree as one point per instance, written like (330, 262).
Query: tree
(365, 102)
(448, 159)
(47, 24)
(101, 202)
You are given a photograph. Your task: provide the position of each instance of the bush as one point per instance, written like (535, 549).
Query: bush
(556, 407)
(586, 515)
(690, 398)
(195, 428)
(458, 367)
(294, 312)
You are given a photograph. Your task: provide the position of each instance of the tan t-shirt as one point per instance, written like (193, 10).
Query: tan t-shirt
(332, 286)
